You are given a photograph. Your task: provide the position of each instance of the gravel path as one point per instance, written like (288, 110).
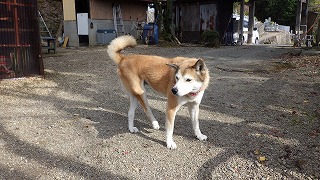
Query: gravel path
(260, 114)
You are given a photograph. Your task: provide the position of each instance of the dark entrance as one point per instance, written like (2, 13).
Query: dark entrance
(82, 6)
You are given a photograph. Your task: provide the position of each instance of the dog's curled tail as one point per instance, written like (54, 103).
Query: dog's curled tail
(118, 44)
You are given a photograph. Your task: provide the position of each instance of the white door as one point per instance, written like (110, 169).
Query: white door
(83, 23)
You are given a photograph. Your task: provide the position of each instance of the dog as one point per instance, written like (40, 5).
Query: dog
(182, 80)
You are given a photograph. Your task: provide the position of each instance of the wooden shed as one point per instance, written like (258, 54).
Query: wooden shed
(20, 50)
(193, 17)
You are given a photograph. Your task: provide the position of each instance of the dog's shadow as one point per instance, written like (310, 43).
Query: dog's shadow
(112, 119)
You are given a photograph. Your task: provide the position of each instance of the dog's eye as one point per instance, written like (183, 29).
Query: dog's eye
(177, 78)
(188, 80)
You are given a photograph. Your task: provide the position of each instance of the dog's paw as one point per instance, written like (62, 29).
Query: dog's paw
(202, 137)
(155, 125)
(171, 145)
(133, 130)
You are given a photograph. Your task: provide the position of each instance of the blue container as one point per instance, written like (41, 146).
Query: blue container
(105, 36)
(150, 34)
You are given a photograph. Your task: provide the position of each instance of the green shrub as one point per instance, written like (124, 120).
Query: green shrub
(211, 38)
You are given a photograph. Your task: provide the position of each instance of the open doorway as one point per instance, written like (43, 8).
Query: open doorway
(83, 15)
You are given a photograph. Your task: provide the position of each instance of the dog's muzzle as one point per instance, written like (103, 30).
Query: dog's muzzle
(174, 90)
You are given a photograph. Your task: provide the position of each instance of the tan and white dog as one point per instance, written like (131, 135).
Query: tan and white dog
(182, 80)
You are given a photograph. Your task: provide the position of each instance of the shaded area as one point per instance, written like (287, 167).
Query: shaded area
(48, 159)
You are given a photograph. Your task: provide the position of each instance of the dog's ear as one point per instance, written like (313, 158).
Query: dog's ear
(174, 66)
(200, 65)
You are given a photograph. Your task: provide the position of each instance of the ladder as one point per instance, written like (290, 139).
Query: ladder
(47, 41)
(44, 31)
(117, 20)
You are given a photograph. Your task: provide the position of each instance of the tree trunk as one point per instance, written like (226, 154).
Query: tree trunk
(167, 21)
(318, 33)
(158, 16)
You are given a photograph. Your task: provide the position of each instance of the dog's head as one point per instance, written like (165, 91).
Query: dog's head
(191, 77)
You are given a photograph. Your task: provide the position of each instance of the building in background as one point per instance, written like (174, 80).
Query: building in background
(83, 18)
(193, 17)
(20, 49)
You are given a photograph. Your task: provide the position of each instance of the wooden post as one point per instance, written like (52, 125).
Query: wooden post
(240, 41)
(318, 34)
(304, 19)
(298, 22)
(17, 38)
(251, 23)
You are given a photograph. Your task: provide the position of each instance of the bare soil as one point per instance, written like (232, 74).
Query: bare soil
(261, 114)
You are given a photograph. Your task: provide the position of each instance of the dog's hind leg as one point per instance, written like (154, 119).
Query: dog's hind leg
(194, 113)
(131, 112)
(155, 124)
(133, 105)
(142, 99)
(137, 93)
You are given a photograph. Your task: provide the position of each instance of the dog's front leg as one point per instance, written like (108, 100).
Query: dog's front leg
(171, 113)
(193, 108)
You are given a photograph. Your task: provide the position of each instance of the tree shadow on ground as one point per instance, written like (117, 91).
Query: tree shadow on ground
(47, 159)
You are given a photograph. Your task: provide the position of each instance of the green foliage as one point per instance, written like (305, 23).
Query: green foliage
(211, 38)
(281, 11)
(314, 6)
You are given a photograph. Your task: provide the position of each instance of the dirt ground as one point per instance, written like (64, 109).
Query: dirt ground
(261, 114)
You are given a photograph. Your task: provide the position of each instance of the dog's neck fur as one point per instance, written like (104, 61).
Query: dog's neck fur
(193, 94)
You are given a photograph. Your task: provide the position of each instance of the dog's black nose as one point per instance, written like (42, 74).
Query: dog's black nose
(174, 91)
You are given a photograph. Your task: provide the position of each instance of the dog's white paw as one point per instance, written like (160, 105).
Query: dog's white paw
(202, 137)
(171, 145)
(155, 125)
(133, 130)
